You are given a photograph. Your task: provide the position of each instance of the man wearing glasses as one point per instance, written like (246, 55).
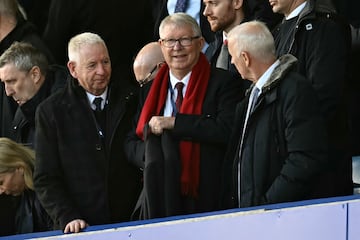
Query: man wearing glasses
(181, 133)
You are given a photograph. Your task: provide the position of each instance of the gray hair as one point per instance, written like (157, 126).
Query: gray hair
(179, 20)
(77, 41)
(24, 57)
(255, 38)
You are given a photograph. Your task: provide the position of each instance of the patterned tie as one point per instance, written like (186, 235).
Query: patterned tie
(179, 86)
(181, 5)
(223, 58)
(97, 102)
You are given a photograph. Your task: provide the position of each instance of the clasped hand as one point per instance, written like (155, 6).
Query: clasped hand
(158, 124)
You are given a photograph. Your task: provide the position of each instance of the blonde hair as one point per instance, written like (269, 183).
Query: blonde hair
(14, 155)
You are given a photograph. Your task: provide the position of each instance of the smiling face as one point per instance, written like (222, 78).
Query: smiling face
(21, 85)
(181, 59)
(12, 183)
(92, 68)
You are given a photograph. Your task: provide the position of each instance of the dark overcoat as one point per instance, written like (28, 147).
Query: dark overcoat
(321, 42)
(284, 149)
(79, 174)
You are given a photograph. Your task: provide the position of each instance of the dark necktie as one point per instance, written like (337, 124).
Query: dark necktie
(97, 102)
(181, 5)
(179, 86)
(223, 58)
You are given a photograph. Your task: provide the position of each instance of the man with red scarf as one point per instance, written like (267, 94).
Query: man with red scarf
(181, 151)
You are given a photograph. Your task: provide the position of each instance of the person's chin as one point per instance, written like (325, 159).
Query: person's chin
(19, 102)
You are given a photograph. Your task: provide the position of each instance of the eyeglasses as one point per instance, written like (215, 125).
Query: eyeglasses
(147, 78)
(186, 41)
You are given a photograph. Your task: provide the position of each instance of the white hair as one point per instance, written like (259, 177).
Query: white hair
(76, 42)
(255, 38)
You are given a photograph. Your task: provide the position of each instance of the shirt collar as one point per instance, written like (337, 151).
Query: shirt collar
(265, 77)
(184, 80)
(91, 97)
(296, 12)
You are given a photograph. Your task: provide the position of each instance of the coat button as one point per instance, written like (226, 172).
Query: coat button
(98, 147)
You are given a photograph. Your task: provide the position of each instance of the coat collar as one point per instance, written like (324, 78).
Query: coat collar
(287, 62)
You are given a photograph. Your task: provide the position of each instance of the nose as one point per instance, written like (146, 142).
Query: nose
(206, 11)
(100, 70)
(177, 45)
(9, 90)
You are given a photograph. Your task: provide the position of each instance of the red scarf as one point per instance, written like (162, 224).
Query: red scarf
(192, 104)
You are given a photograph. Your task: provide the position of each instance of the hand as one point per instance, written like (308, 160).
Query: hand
(158, 124)
(75, 226)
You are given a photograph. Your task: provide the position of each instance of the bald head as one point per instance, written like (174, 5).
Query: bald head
(147, 62)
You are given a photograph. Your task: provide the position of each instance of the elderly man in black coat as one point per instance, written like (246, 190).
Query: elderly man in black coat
(81, 174)
(278, 145)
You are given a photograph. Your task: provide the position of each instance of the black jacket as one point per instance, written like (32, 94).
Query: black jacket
(321, 43)
(79, 174)
(30, 215)
(284, 145)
